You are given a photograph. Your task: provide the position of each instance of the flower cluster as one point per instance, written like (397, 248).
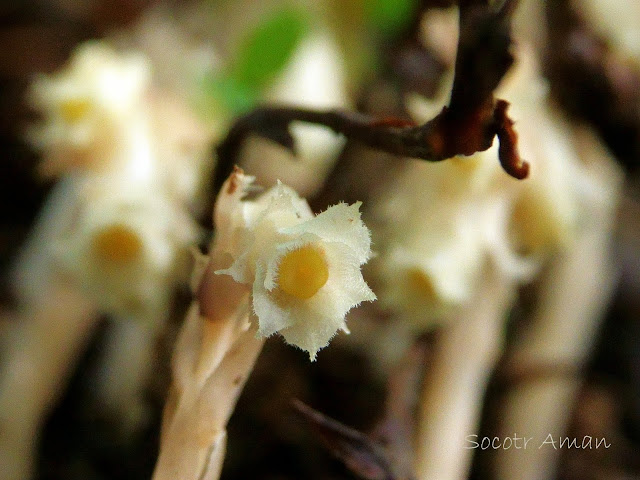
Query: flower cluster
(304, 269)
(129, 156)
(435, 226)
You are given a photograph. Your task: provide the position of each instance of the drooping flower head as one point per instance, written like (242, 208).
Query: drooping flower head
(304, 269)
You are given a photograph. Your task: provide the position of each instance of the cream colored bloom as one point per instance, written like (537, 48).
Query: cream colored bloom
(304, 269)
(437, 226)
(130, 158)
(125, 248)
(88, 104)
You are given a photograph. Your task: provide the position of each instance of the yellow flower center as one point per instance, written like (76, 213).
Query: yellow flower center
(117, 244)
(420, 285)
(74, 109)
(303, 272)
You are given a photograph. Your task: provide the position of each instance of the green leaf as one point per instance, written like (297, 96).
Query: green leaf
(234, 97)
(268, 48)
(390, 16)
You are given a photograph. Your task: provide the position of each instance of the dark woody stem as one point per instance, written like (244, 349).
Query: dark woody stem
(468, 125)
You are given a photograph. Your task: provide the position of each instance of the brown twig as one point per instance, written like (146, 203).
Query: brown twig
(468, 125)
(359, 453)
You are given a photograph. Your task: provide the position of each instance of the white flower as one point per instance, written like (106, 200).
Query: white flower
(304, 269)
(437, 225)
(103, 115)
(87, 105)
(125, 248)
(131, 158)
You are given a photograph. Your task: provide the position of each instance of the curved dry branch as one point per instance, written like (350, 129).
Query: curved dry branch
(468, 125)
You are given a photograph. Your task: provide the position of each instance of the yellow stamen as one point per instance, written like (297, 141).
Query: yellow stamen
(74, 109)
(117, 244)
(303, 272)
(420, 285)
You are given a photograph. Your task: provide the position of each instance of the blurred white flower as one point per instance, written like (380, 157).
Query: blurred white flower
(87, 105)
(131, 157)
(304, 269)
(125, 248)
(438, 224)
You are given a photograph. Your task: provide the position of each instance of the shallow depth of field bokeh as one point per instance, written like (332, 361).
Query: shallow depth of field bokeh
(546, 274)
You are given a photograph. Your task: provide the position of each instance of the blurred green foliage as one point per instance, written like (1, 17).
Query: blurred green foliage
(263, 53)
(390, 16)
(232, 96)
(268, 48)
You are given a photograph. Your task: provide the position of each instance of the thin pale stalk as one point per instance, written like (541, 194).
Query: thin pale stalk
(559, 337)
(41, 354)
(465, 354)
(125, 368)
(212, 361)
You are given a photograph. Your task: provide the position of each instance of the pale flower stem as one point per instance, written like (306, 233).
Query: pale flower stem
(193, 440)
(212, 361)
(562, 332)
(125, 368)
(41, 354)
(218, 343)
(465, 354)
(559, 337)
